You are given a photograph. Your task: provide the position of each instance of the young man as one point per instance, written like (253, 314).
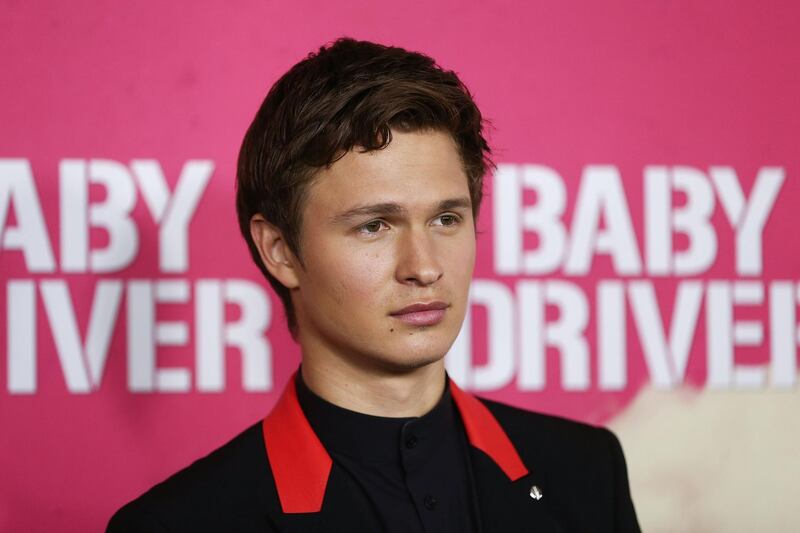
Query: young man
(359, 183)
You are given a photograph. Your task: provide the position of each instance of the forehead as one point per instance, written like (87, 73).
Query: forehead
(415, 170)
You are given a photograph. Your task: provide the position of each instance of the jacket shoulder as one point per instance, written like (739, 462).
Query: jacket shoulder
(234, 481)
(545, 430)
(582, 465)
(562, 444)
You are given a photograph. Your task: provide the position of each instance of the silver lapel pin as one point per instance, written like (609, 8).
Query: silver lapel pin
(536, 493)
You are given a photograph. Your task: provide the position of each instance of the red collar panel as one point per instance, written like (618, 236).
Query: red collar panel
(485, 433)
(301, 465)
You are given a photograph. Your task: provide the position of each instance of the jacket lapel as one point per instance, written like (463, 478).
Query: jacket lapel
(344, 509)
(502, 481)
(505, 505)
(315, 495)
(299, 462)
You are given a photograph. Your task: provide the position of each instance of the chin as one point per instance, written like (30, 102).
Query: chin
(406, 365)
(411, 358)
(423, 360)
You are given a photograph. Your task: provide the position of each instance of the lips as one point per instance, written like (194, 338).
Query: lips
(422, 314)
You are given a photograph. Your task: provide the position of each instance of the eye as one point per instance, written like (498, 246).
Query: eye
(371, 228)
(448, 219)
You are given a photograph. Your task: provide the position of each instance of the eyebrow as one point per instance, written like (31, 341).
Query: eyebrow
(391, 208)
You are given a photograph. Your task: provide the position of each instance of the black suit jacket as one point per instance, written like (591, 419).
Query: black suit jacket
(276, 476)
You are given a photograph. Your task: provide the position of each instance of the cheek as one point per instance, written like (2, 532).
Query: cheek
(461, 258)
(352, 278)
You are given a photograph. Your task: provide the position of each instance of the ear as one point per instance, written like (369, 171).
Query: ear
(274, 251)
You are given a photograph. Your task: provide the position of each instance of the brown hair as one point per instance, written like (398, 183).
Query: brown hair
(349, 94)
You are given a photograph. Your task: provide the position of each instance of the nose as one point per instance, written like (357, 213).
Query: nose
(418, 261)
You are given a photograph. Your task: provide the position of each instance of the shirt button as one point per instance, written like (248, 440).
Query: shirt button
(430, 502)
(411, 442)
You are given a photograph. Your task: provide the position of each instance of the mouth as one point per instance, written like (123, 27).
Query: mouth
(422, 314)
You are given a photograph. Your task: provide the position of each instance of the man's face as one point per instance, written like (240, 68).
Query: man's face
(383, 231)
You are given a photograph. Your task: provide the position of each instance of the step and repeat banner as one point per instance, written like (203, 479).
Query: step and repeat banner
(638, 261)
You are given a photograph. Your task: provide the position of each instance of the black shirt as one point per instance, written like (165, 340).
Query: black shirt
(415, 472)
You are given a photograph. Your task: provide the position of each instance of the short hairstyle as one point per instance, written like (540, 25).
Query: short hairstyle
(348, 95)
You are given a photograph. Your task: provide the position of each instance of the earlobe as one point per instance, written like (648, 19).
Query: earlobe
(274, 251)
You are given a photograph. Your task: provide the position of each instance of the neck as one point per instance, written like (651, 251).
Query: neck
(375, 391)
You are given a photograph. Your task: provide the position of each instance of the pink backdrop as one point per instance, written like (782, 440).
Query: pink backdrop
(580, 302)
